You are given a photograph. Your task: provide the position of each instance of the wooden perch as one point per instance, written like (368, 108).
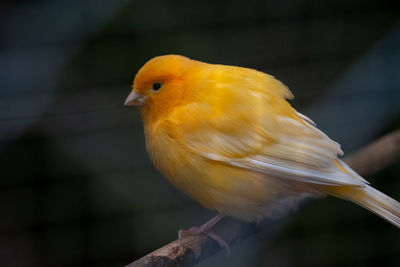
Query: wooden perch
(191, 250)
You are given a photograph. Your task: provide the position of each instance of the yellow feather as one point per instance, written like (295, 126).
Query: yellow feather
(227, 137)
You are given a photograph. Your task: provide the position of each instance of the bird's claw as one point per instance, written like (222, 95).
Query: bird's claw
(220, 241)
(210, 234)
(206, 229)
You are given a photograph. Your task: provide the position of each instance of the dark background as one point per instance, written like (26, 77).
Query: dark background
(76, 185)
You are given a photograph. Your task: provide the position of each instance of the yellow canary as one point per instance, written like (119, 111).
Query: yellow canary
(227, 137)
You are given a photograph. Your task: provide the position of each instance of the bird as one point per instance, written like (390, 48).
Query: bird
(228, 137)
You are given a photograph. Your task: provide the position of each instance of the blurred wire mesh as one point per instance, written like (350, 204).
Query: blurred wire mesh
(77, 187)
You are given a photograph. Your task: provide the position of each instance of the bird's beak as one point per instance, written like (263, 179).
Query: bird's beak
(134, 99)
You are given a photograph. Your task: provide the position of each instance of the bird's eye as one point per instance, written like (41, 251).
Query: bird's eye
(156, 86)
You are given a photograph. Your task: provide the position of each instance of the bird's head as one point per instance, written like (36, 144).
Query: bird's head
(160, 83)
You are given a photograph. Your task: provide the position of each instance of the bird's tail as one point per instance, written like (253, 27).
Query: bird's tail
(371, 199)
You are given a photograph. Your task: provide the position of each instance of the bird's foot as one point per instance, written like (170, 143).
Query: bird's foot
(206, 230)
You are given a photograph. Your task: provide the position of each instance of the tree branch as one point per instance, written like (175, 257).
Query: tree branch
(377, 155)
(193, 249)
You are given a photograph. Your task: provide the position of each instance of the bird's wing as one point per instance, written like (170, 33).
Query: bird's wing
(257, 129)
(302, 153)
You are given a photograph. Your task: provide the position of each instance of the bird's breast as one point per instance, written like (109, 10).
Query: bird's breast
(227, 189)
